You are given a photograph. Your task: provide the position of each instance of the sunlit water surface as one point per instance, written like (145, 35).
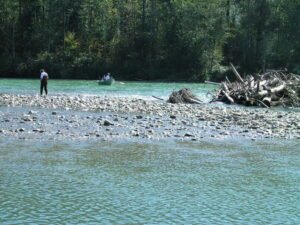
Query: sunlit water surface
(228, 182)
(88, 87)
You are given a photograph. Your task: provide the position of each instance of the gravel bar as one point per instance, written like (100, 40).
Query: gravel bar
(108, 118)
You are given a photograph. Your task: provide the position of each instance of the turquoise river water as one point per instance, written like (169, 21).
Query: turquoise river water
(87, 87)
(235, 182)
(136, 182)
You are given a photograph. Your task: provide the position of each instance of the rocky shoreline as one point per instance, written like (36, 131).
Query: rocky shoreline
(109, 118)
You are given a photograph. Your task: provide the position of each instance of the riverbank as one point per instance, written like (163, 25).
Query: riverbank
(108, 118)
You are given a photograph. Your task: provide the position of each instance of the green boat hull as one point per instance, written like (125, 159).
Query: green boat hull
(107, 82)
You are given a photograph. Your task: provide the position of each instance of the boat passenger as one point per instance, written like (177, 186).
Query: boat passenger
(107, 76)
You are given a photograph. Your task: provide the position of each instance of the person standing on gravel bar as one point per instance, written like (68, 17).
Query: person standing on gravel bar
(44, 81)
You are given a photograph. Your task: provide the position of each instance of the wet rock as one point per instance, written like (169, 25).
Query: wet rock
(31, 112)
(135, 134)
(184, 122)
(38, 130)
(107, 123)
(27, 119)
(189, 135)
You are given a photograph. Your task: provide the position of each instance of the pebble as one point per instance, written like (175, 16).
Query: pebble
(189, 135)
(107, 123)
(148, 117)
(32, 112)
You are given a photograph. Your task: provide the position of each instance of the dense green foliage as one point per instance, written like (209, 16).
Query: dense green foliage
(148, 39)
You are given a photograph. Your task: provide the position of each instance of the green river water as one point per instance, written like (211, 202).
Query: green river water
(87, 87)
(136, 182)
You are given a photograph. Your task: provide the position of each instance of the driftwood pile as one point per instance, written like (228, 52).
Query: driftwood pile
(272, 88)
(184, 95)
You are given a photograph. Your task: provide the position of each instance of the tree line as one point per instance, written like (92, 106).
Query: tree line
(190, 40)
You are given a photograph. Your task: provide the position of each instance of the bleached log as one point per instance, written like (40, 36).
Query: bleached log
(236, 73)
(262, 103)
(225, 87)
(251, 84)
(267, 101)
(272, 90)
(227, 80)
(210, 82)
(262, 83)
(194, 101)
(158, 98)
(274, 97)
(228, 97)
(264, 93)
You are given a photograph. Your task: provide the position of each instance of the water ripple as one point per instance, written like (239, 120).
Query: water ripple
(106, 183)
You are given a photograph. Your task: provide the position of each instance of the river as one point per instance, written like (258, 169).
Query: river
(230, 181)
(87, 87)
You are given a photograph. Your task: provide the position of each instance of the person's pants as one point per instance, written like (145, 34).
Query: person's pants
(44, 87)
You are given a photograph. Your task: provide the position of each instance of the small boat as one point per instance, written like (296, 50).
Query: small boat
(107, 82)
